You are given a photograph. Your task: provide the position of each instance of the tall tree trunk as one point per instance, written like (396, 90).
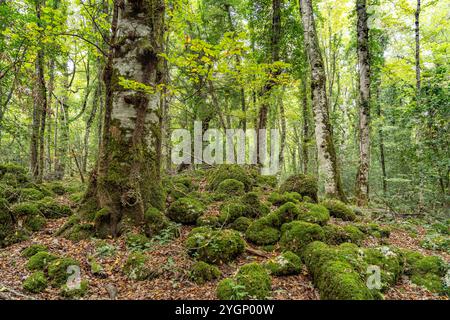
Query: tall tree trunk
(362, 177)
(87, 133)
(418, 98)
(328, 168)
(381, 142)
(128, 178)
(305, 116)
(275, 56)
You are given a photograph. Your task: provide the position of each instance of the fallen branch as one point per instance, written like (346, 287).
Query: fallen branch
(256, 252)
(5, 296)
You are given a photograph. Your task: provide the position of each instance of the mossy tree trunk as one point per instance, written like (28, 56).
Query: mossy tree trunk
(328, 167)
(362, 177)
(127, 180)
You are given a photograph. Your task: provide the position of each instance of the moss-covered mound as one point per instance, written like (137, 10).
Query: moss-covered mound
(52, 209)
(255, 208)
(297, 234)
(33, 249)
(214, 246)
(76, 290)
(230, 211)
(185, 210)
(264, 231)
(278, 199)
(251, 282)
(313, 213)
(35, 283)
(336, 234)
(427, 271)
(335, 278)
(155, 222)
(229, 171)
(208, 221)
(59, 270)
(304, 185)
(287, 263)
(338, 209)
(202, 272)
(40, 260)
(374, 229)
(231, 187)
(241, 224)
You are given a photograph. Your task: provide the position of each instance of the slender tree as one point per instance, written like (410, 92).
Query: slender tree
(362, 177)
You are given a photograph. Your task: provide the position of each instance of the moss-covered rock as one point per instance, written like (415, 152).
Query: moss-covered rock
(51, 209)
(432, 282)
(214, 246)
(25, 209)
(59, 270)
(80, 231)
(297, 234)
(35, 283)
(35, 222)
(30, 194)
(231, 187)
(263, 231)
(287, 263)
(40, 260)
(302, 184)
(232, 171)
(313, 213)
(374, 229)
(266, 181)
(185, 210)
(241, 224)
(338, 209)
(136, 267)
(177, 191)
(74, 290)
(155, 222)
(202, 272)
(286, 213)
(251, 282)
(230, 211)
(388, 260)
(429, 264)
(278, 199)
(336, 234)
(56, 187)
(33, 249)
(255, 208)
(208, 220)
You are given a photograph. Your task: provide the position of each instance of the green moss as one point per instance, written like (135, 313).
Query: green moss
(430, 281)
(297, 234)
(185, 210)
(52, 209)
(389, 261)
(27, 194)
(202, 272)
(40, 260)
(288, 263)
(24, 209)
(177, 191)
(33, 249)
(255, 279)
(56, 187)
(80, 231)
(223, 172)
(231, 187)
(59, 270)
(286, 213)
(262, 231)
(336, 235)
(155, 222)
(228, 289)
(35, 222)
(241, 224)
(313, 213)
(36, 282)
(338, 281)
(75, 291)
(136, 268)
(429, 264)
(374, 230)
(208, 220)
(267, 182)
(214, 246)
(230, 211)
(338, 209)
(302, 184)
(254, 206)
(278, 199)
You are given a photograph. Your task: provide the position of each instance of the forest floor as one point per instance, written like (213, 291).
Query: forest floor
(173, 264)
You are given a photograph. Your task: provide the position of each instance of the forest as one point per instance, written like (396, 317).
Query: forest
(224, 149)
